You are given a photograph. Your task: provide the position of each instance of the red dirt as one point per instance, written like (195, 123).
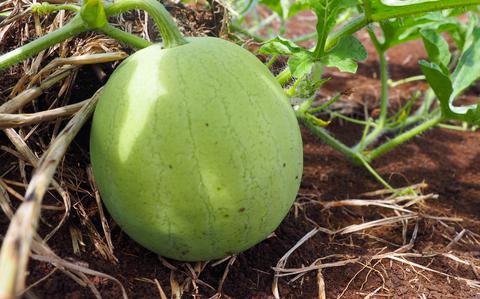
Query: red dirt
(448, 161)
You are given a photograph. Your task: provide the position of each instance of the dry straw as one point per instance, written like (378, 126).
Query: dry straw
(21, 238)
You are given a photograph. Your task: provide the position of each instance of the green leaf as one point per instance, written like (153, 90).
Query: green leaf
(350, 47)
(345, 54)
(301, 64)
(470, 29)
(274, 5)
(300, 61)
(344, 65)
(447, 88)
(468, 68)
(283, 8)
(93, 13)
(327, 12)
(297, 7)
(440, 84)
(466, 33)
(397, 31)
(281, 46)
(437, 21)
(437, 47)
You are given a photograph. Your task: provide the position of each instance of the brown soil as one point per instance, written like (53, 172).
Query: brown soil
(448, 161)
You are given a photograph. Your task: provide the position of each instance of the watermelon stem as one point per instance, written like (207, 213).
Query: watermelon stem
(169, 31)
(72, 28)
(93, 16)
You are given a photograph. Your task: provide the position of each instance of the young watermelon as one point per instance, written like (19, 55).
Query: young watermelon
(196, 150)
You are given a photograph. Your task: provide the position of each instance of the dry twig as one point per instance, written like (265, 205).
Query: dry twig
(16, 246)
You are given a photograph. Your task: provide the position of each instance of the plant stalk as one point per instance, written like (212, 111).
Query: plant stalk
(328, 139)
(424, 108)
(384, 76)
(129, 39)
(332, 40)
(382, 12)
(72, 28)
(381, 122)
(391, 144)
(169, 31)
(374, 172)
(284, 76)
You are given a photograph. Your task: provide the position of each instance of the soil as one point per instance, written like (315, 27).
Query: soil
(447, 161)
